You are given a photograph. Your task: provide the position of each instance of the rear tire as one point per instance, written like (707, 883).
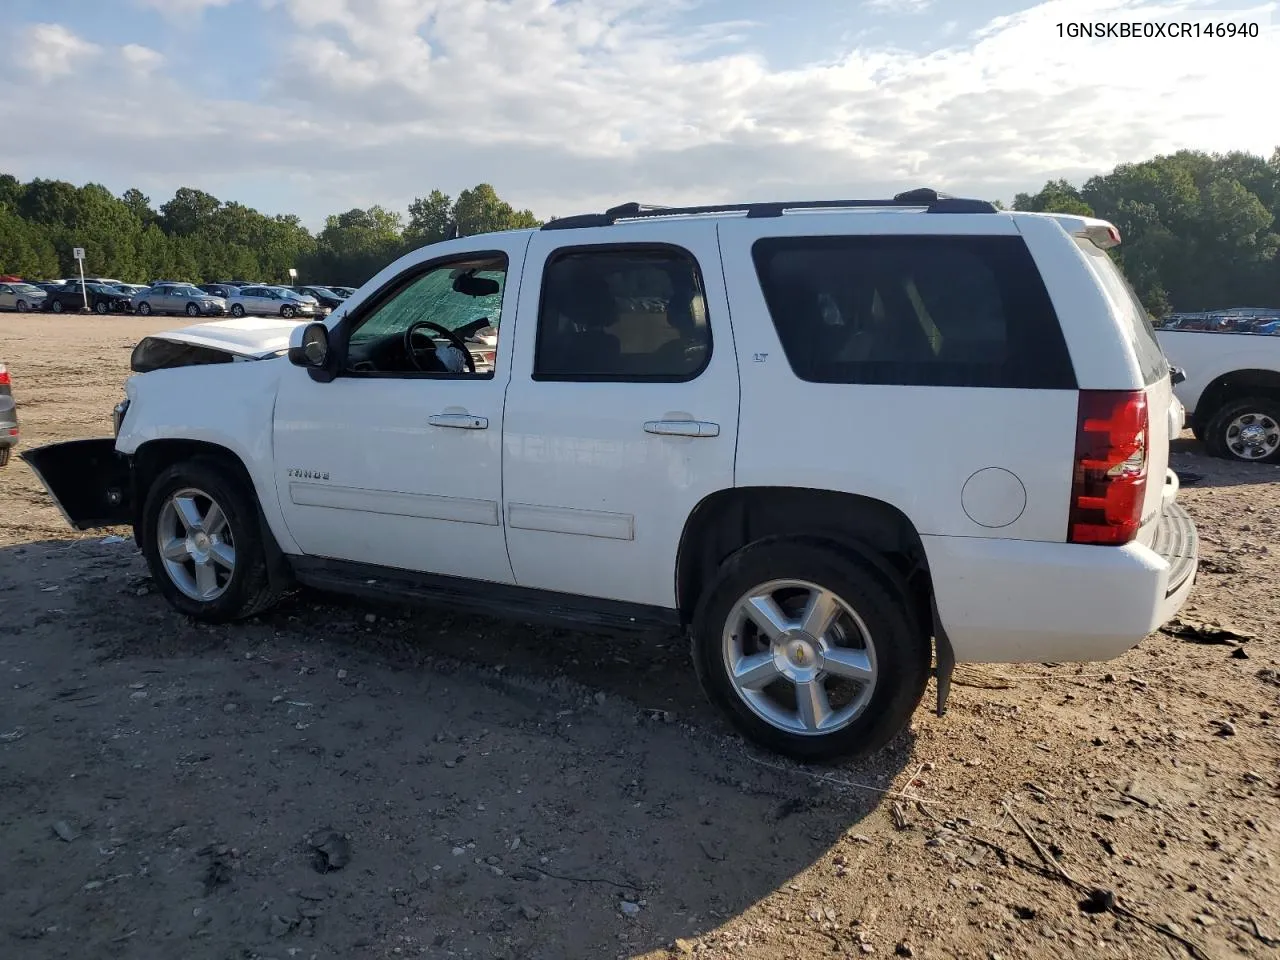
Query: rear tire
(873, 656)
(211, 565)
(1245, 430)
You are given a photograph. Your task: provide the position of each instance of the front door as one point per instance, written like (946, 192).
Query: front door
(630, 417)
(398, 461)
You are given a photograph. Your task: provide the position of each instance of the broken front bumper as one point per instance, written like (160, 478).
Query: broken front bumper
(91, 483)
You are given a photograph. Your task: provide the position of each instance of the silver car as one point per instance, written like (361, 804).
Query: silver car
(264, 301)
(21, 297)
(178, 298)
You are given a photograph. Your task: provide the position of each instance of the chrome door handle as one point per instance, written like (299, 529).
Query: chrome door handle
(682, 428)
(459, 421)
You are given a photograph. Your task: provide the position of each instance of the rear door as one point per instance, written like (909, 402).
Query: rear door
(622, 412)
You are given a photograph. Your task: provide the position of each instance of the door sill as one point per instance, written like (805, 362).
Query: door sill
(523, 604)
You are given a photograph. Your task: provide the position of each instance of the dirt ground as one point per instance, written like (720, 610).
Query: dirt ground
(338, 780)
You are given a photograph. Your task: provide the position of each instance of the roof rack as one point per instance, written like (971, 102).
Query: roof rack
(931, 200)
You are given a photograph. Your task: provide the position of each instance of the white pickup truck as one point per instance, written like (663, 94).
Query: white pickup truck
(835, 441)
(1231, 389)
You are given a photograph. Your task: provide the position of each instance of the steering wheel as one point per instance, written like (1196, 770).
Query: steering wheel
(448, 334)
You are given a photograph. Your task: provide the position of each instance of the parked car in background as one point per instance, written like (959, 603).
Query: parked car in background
(21, 296)
(8, 416)
(1231, 388)
(70, 297)
(328, 300)
(343, 291)
(223, 290)
(131, 289)
(179, 298)
(266, 301)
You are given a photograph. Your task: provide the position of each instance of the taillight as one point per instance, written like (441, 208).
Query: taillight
(4, 376)
(1110, 480)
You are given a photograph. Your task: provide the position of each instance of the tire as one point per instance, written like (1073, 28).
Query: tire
(193, 310)
(1245, 430)
(102, 308)
(56, 306)
(237, 310)
(144, 308)
(238, 589)
(894, 648)
(21, 306)
(287, 312)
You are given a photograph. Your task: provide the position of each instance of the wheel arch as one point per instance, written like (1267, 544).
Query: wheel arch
(876, 532)
(1234, 385)
(153, 457)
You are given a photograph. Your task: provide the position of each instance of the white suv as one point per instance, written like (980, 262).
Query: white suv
(831, 439)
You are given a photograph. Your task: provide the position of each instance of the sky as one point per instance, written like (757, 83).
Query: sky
(567, 106)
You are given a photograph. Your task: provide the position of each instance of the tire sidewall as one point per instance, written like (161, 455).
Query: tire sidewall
(193, 311)
(902, 648)
(1216, 432)
(144, 308)
(237, 310)
(241, 516)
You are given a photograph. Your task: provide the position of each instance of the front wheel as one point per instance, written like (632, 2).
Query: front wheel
(287, 312)
(193, 310)
(144, 308)
(809, 652)
(21, 306)
(102, 308)
(237, 310)
(1246, 430)
(56, 306)
(202, 542)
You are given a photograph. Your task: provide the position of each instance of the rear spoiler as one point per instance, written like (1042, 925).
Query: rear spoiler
(1103, 234)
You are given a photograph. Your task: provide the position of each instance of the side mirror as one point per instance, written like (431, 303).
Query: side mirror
(309, 346)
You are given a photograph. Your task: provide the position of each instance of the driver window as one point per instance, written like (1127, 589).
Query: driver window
(409, 330)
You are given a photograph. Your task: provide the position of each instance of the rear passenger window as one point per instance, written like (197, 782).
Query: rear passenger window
(622, 313)
(914, 310)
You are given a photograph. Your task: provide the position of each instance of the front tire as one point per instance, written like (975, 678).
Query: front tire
(287, 312)
(193, 310)
(202, 542)
(102, 308)
(144, 308)
(237, 310)
(56, 306)
(21, 306)
(810, 651)
(1245, 430)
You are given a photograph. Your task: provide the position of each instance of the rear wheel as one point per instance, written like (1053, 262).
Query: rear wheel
(809, 651)
(1246, 430)
(202, 542)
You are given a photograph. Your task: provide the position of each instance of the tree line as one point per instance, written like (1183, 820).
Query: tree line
(197, 237)
(1200, 231)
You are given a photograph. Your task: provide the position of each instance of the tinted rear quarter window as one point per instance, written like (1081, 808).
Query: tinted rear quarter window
(1142, 335)
(964, 311)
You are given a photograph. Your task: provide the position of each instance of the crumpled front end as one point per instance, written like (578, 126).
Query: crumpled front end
(89, 480)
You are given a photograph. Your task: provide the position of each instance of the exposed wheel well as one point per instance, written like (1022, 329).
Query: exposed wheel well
(730, 519)
(1232, 386)
(156, 456)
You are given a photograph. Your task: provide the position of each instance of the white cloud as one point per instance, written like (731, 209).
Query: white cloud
(49, 50)
(182, 9)
(569, 105)
(142, 59)
(898, 6)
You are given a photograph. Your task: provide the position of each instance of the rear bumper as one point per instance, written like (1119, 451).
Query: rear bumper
(1010, 601)
(90, 482)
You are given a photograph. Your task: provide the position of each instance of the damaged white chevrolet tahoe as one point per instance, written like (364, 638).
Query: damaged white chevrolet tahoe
(836, 441)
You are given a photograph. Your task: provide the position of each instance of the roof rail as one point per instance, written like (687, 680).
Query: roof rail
(931, 200)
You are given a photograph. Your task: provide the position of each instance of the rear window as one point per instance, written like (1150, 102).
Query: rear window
(1142, 335)
(913, 310)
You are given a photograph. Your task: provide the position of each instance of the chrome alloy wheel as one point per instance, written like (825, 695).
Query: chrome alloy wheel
(196, 544)
(1253, 436)
(799, 657)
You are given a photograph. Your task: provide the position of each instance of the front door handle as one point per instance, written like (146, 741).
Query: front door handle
(459, 421)
(682, 428)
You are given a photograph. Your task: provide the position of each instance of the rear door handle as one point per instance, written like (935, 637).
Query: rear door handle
(459, 421)
(682, 428)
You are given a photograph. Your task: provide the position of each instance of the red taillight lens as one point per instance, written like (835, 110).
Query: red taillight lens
(4, 376)
(1110, 480)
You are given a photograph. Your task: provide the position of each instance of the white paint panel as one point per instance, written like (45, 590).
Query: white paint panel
(424, 506)
(582, 523)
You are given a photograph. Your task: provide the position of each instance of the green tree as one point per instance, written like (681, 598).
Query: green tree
(481, 210)
(429, 219)
(1058, 196)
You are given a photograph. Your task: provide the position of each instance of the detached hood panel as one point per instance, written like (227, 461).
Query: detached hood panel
(221, 341)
